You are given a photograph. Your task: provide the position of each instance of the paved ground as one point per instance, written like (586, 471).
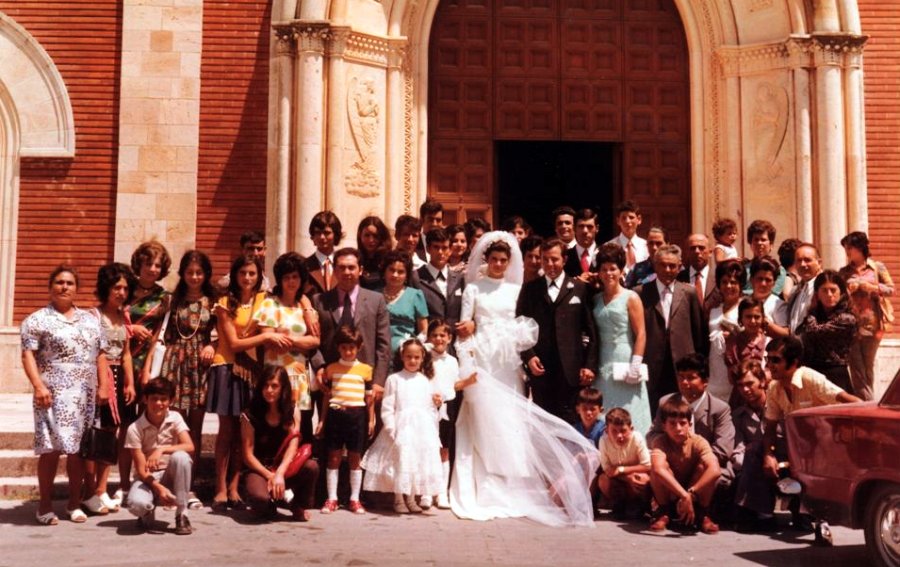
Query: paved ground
(435, 539)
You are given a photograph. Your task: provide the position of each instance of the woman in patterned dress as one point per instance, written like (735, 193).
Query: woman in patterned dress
(62, 354)
(189, 351)
(286, 312)
(228, 394)
(151, 263)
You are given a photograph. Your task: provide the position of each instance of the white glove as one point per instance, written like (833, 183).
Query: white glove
(634, 373)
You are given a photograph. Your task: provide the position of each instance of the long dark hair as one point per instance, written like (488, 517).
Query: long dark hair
(234, 288)
(258, 407)
(831, 276)
(373, 261)
(207, 288)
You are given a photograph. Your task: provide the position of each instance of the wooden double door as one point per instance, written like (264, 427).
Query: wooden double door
(603, 71)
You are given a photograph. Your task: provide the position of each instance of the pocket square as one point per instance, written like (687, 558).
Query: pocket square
(458, 292)
(574, 301)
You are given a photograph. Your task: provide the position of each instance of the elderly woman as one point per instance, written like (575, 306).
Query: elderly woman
(870, 287)
(62, 354)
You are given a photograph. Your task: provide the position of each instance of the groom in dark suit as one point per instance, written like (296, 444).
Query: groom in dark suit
(441, 286)
(565, 356)
(674, 322)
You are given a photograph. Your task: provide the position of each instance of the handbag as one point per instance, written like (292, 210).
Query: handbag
(246, 367)
(159, 349)
(303, 453)
(99, 444)
(620, 371)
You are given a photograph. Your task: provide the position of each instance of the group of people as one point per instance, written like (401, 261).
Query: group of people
(552, 375)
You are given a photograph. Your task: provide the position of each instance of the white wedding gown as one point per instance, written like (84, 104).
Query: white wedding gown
(512, 458)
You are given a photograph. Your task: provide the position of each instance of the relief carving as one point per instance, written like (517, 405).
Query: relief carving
(770, 122)
(363, 112)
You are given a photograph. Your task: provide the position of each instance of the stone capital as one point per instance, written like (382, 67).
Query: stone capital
(837, 49)
(305, 36)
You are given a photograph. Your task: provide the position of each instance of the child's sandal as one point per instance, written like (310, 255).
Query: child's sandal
(48, 519)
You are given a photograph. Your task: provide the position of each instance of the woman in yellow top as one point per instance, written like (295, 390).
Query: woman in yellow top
(228, 394)
(289, 313)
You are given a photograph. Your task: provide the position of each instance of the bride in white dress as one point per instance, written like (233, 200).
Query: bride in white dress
(512, 458)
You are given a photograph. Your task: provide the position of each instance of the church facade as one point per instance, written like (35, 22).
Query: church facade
(191, 122)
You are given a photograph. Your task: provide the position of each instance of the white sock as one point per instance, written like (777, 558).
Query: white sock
(355, 484)
(445, 465)
(331, 481)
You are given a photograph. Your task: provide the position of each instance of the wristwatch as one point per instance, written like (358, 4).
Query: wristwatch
(620, 469)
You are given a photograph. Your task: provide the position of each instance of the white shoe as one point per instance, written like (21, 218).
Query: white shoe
(119, 496)
(95, 506)
(111, 503)
(443, 502)
(425, 502)
(789, 486)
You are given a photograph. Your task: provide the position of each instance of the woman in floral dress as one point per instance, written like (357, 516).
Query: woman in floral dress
(189, 351)
(62, 354)
(286, 312)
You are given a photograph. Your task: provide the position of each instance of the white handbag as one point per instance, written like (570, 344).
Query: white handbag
(620, 371)
(159, 349)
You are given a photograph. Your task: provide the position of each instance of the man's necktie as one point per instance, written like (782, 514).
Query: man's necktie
(347, 313)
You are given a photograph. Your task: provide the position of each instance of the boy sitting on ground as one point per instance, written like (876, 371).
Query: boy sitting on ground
(625, 462)
(161, 447)
(683, 472)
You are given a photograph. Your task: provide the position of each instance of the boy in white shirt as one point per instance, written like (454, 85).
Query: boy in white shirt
(625, 462)
(628, 217)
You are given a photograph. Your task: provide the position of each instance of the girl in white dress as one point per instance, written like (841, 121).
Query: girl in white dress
(405, 458)
(512, 458)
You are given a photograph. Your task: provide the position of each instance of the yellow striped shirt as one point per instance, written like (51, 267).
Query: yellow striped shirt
(348, 383)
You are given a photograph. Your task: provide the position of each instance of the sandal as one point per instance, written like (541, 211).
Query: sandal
(77, 515)
(193, 502)
(48, 519)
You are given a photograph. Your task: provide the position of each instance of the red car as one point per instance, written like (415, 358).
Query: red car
(847, 457)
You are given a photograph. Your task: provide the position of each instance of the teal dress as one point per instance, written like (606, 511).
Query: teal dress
(404, 312)
(617, 345)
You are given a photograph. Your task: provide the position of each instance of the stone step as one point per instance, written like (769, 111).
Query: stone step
(23, 462)
(26, 487)
(24, 440)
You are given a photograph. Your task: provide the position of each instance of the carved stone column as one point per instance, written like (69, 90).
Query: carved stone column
(395, 131)
(337, 117)
(857, 187)
(798, 52)
(281, 100)
(310, 129)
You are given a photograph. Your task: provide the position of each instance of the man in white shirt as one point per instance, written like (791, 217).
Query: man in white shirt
(697, 271)
(580, 258)
(628, 217)
(564, 225)
(809, 265)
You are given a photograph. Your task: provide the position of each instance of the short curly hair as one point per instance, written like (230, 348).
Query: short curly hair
(109, 275)
(149, 251)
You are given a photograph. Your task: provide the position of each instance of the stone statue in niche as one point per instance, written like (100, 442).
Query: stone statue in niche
(770, 122)
(363, 113)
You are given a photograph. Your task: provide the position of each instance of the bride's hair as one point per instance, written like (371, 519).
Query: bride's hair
(427, 367)
(497, 246)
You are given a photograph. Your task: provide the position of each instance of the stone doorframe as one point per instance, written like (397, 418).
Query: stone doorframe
(35, 121)
(776, 109)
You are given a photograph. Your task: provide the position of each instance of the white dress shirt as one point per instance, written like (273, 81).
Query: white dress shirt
(800, 306)
(665, 298)
(439, 276)
(639, 245)
(553, 286)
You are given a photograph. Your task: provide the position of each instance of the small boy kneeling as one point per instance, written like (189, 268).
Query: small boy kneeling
(683, 472)
(625, 461)
(160, 444)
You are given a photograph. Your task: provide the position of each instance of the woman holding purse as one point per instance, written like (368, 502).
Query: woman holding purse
(270, 439)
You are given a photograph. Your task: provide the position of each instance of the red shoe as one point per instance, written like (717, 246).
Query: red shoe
(660, 523)
(356, 507)
(707, 526)
(329, 506)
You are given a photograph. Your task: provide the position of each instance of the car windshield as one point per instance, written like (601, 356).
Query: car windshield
(891, 397)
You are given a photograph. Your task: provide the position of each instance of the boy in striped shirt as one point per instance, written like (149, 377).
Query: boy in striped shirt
(348, 418)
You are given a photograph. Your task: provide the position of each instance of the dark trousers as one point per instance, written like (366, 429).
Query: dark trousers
(553, 393)
(303, 484)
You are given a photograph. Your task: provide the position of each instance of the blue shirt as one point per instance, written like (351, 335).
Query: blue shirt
(595, 433)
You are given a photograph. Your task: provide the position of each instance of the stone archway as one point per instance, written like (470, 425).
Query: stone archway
(35, 121)
(776, 111)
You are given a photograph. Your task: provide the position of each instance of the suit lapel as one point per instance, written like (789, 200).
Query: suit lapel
(677, 299)
(655, 300)
(568, 288)
(426, 280)
(330, 299)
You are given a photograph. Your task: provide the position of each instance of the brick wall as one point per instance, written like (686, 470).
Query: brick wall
(231, 194)
(881, 21)
(67, 206)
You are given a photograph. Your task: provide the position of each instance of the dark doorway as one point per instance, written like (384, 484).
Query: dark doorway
(533, 178)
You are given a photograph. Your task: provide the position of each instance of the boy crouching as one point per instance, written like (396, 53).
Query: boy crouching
(161, 447)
